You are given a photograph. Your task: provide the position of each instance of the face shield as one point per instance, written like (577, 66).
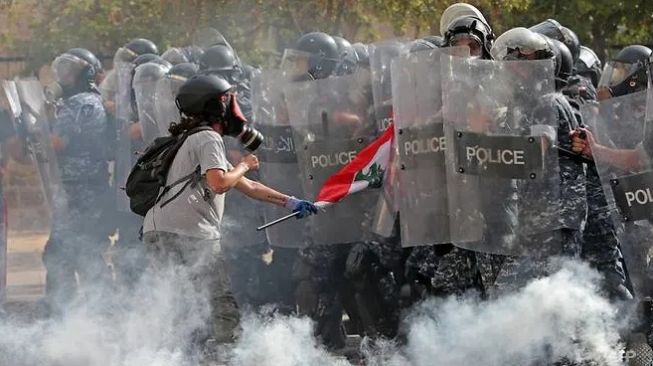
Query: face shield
(472, 42)
(295, 65)
(67, 69)
(124, 55)
(616, 72)
(519, 44)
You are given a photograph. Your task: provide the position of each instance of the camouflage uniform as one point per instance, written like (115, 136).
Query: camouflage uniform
(568, 212)
(78, 235)
(600, 244)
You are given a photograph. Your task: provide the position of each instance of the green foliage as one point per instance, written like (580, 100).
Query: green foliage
(260, 29)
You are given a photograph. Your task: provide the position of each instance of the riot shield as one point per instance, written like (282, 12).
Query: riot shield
(381, 56)
(503, 176)
(619, 124)
(165, 107)
(421, 179)
(330, 127)
(37, 126)
(145, 81)
(126, 146)
(279, 167)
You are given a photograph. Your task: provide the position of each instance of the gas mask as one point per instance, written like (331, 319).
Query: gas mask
(235, 123)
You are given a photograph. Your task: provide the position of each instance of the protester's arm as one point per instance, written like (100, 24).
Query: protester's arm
(261, 192)
(221, 181)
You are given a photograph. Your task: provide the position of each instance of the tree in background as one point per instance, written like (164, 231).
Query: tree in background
(260, 29)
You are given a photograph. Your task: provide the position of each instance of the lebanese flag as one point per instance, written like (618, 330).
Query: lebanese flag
(367, 169)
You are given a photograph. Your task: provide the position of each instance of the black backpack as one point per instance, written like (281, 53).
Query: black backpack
(150, 172)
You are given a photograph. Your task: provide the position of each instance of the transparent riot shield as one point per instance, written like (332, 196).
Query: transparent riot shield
(34, 116)
(381, 56)
(278, 157)
(126, 142)
(145, 81)
(618, 125)
(165, 107)
(419, 133)
(503, 176)
(330, 127)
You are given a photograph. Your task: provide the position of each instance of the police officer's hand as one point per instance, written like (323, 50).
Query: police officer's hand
(582, 141)
(251, 161)
(304, 208)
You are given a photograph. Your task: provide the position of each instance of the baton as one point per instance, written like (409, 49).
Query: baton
(277, 221)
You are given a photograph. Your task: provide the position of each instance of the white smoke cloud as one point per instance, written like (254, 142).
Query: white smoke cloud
(558, 316)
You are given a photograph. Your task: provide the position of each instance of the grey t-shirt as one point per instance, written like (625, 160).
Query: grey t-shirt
(197, 211)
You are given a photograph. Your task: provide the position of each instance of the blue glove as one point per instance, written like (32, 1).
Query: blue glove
(304, 208)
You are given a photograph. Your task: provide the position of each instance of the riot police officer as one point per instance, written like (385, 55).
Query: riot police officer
(78, 236)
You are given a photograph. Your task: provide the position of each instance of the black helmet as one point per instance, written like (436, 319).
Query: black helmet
(145, 58)
(183, 71)
(564, 62)
(470, 27)
(133, 49)
(627, 72)
(211, 98)
(219, 59)
(438, 41)
(589, 65)
(200, 96)
(348, 59)
(362, 53)
(421, 44)
(75, 70)
(552, 29)
(150, 71)
(324, 53)
(141, 46)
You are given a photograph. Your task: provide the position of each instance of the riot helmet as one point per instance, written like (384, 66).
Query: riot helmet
(323, 51)
(75, 71)
(553, 29)
(348, 59)
(183, 71)
(135, 48)
(564, 62)
(456, 11)
(422, 44)
(626, 73)
(472, 32)
(589, 65)
(522, 44)
(438, 41)
(220, 60)
(362, 54)
(214, 100)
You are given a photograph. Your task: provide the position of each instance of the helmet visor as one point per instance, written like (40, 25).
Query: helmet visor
(124, 55)
(615, 73)
(519, 44)
(295, 64)
(67, 68)
(468, 40)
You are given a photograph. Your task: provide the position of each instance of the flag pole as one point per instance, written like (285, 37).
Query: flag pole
(277, 221)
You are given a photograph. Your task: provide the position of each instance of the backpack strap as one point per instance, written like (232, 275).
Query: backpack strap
(189, 179)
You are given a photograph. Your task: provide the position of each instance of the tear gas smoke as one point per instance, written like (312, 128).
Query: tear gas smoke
(551, 318)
